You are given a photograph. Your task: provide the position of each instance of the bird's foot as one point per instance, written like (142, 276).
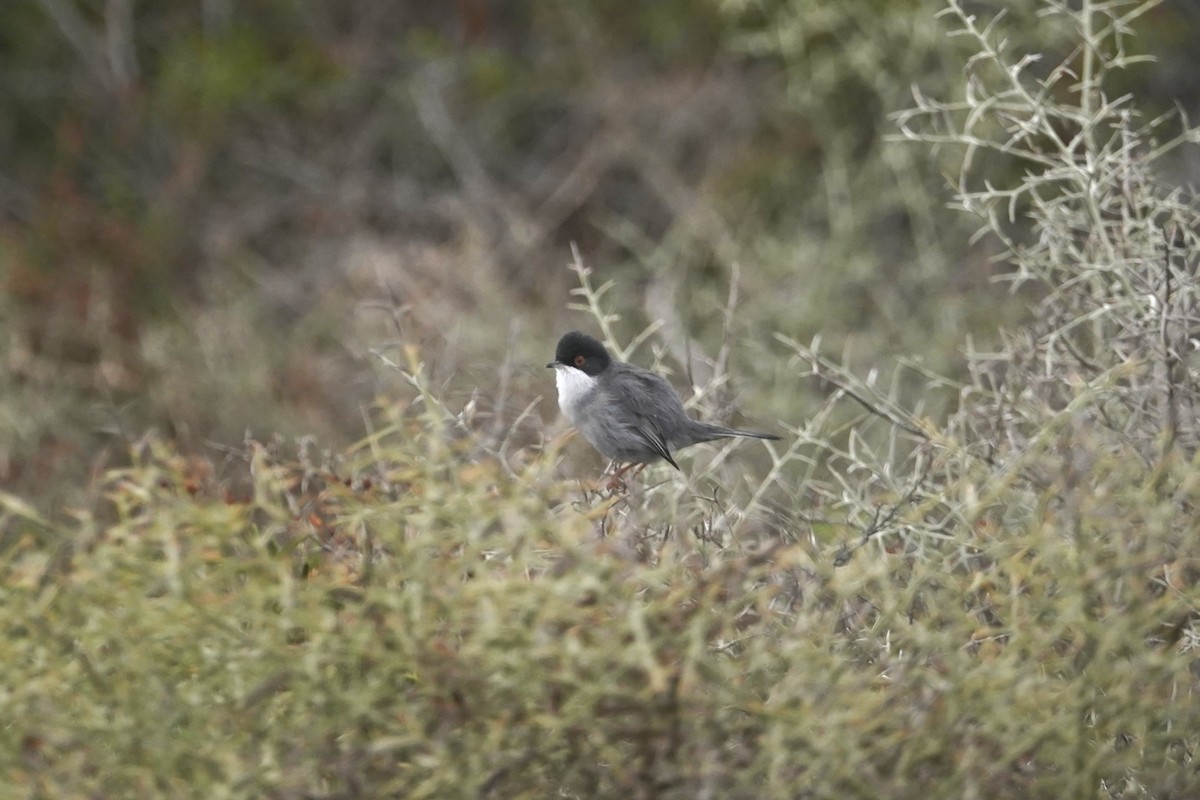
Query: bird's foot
(616, 483)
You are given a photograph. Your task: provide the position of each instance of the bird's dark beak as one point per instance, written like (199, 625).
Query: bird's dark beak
(552, 364)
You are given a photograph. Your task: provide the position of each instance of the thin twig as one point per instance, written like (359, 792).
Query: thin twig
(880, 520)
(1170, 354)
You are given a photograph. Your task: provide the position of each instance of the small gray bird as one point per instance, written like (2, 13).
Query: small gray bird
(629, 414)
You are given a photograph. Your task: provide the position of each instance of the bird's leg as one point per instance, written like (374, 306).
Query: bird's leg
(615, 483)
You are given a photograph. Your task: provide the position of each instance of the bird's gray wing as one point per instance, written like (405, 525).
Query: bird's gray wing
(650, 401)
(654, 439)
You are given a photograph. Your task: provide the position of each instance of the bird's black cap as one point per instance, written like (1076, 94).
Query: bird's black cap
(581, 351)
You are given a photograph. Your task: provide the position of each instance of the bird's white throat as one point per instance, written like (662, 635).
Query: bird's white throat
(573, 386)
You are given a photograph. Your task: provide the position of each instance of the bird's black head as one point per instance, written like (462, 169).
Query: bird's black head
(582, 352)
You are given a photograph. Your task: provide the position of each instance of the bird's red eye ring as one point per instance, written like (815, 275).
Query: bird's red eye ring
(580, 361)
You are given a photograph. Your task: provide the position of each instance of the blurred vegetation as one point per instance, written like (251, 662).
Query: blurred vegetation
(285, 506)
(211, 212)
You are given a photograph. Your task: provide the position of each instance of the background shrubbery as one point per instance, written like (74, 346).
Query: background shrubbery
(288, 510)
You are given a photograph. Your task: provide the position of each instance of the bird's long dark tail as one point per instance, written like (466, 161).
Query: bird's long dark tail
(721, 432)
